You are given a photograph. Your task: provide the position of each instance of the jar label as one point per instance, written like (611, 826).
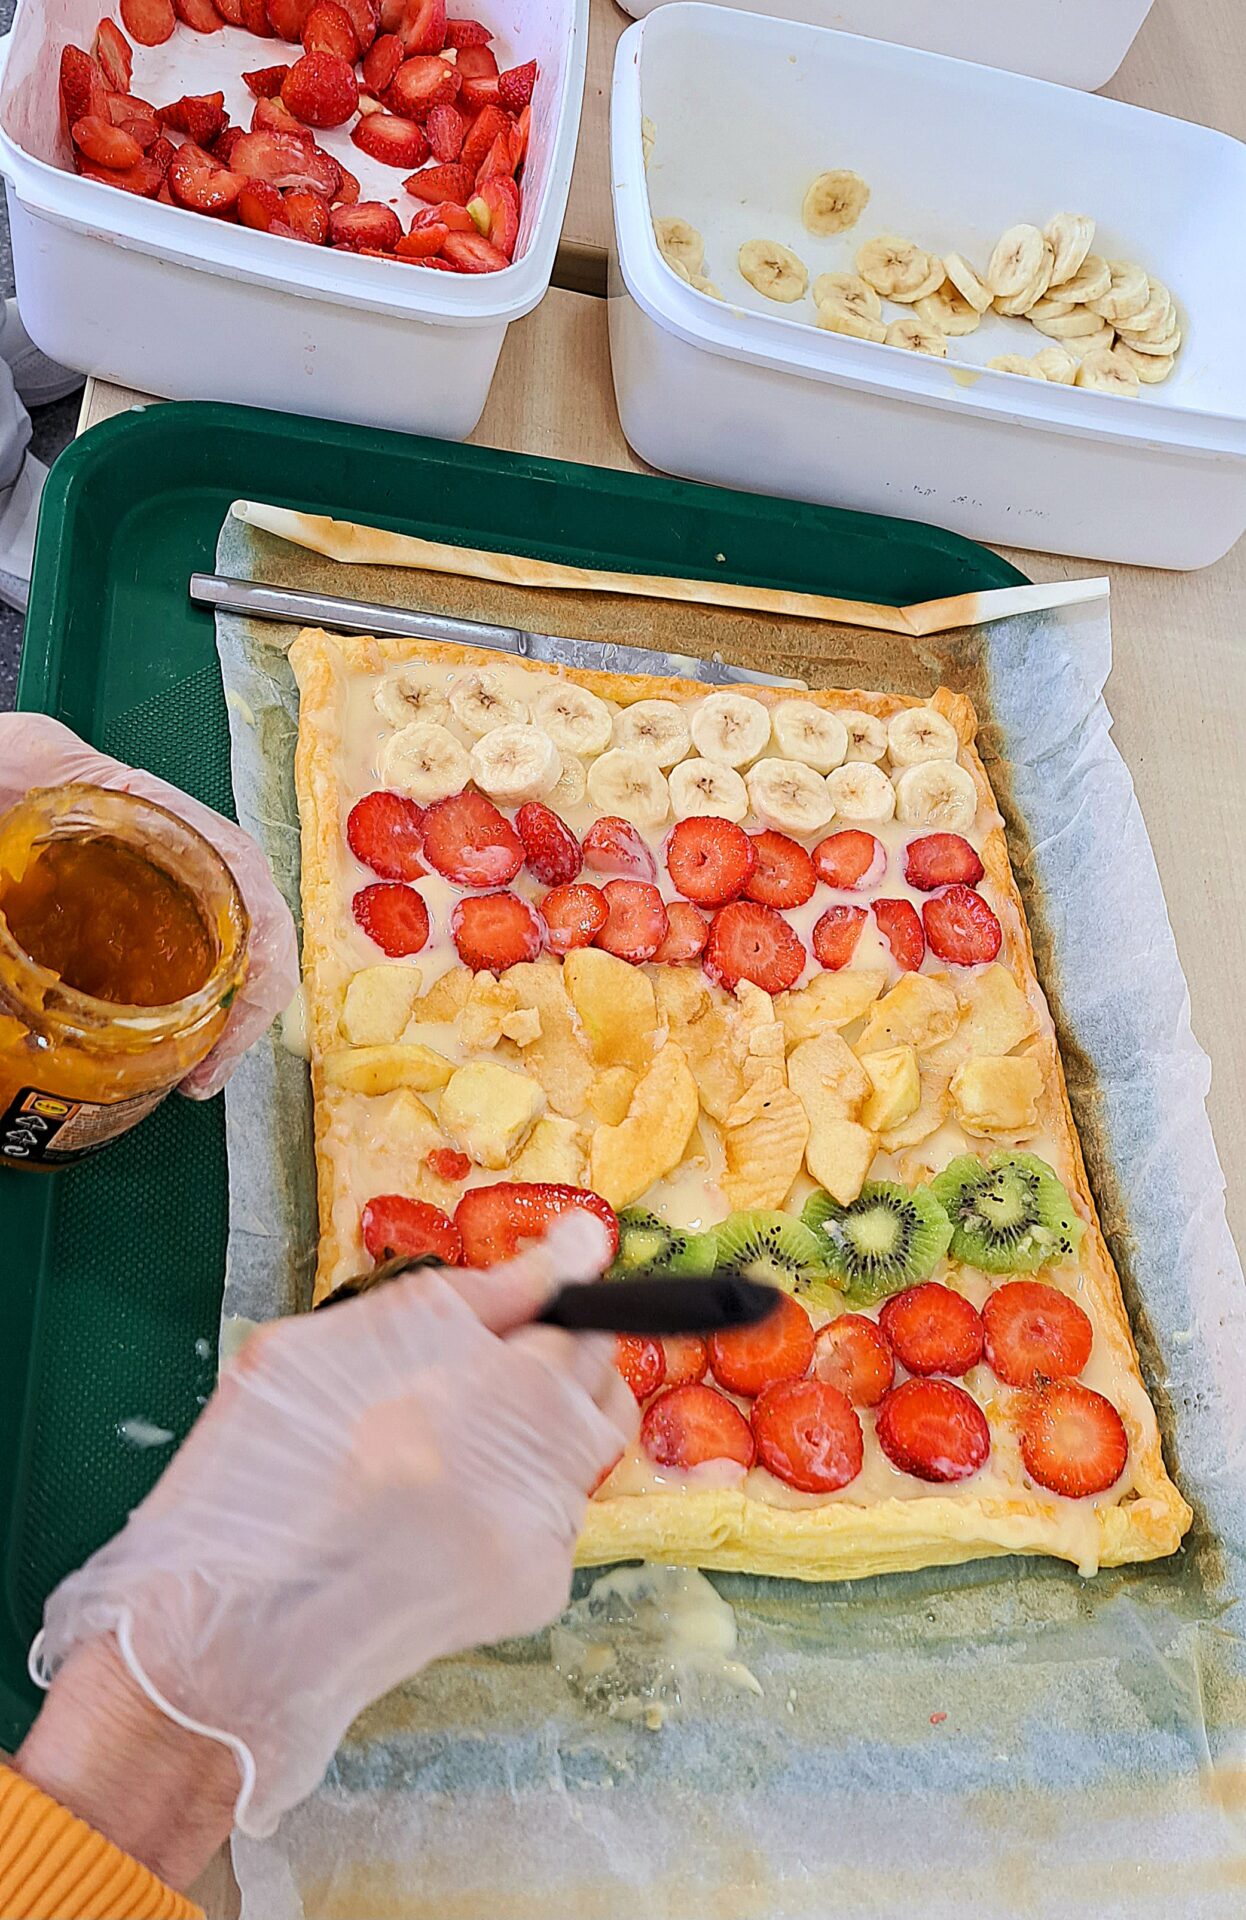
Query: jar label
(42, 1129)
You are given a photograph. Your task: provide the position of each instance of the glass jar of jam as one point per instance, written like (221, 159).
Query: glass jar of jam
(123, 940)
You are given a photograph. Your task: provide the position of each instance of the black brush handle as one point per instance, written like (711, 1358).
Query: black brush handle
(660, 1305)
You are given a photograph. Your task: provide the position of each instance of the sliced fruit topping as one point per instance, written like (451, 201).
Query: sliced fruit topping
(941, 860)
(1035, 1333)
(686, 934)
(266, 82)
(647, 1245)
(1073, 1441)
(930, 1329)
(888, 1237)
(933, 1430)
(423, 26)
(286, 160)
(484, 130)
(1009, 1215)
(902, 930)
(748, 1359)
(636, 920)
(961, 927)
(261, 207)
(493, 931)
(641, 1361)
(850, 1353)
(448, 1163)
(82, 87)
(495, 1222)
(112, 50)
(384, 830)
(201, 115)
(686, 1358)
(573, 916)
(381, 63)
(467, 33)
(515, 87)
(784, 874)
(612, 845)
(150, 22)
(394, 916)
(321, 90)
(444, 129)
(421, 244)
(495, 210)
(776, 1249)
(365, 18)
(286, 17)
(551, 850)
(808, 1435)
(435, 184)
(391, 138)
(472, 253)
(369, 227)
(421, 84)
(198, 181)
(308, 214)
(393, 1225)
(107, 145)
(853, 858)
(751, 942)
(836, 936)
(710, 860)
(469, 841)
(687, 1426)
(199, 15)
(328, 29)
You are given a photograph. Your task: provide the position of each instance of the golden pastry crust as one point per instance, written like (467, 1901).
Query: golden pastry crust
(727, 1528)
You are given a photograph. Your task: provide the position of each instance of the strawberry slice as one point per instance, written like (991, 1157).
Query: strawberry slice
(441, 183)
(150, 22)
(393, 1226)
(82, 89)
(255, 18)
(392, 915)
(287, 17)
(836, 935)
(365, 18)
(636, 922)
(519, 136)
(686, 1426)
(478, 62)
(515, 87)
(446, 213)
(493, 931)
(266, 82)
(484, 130)
(201, 115)
(146, 179)
(200, 15)
(551, 850)
(470, 842)
(421, 244)
(573, 917)
(307, 214)
(641, 1361)
(466, 33)
(420, 85)
(902, 930)
(612, 845)
(495, 1222)
(500, 161)
(271, 116)
(328, 29)
(850, 1353)
(285, 160)
(390, 138)
(784, 875)
(750, 942)
(423, 28)
(472, 253)
(853, 859)
(261, 207)
(710, 860)
(113, 53)
(381, 63)
(686, 934)
(941, 860)
(391, 15)
(808, 1435)
(474, 95)
(231, 12)
(384, 831)
(198, 181)
(961, 927)
(749, 1359)
(930, 1329)
(933, 1430)
(107, 145)
(1073, 1441)
(368, 227)
(321, 90)
(448, 1163)
(446, 129)
(136, 118)
(686, 1358)
(1034, 1333)
(495, 209)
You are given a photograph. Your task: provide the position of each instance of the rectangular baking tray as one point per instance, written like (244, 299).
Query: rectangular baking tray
(110, 1283)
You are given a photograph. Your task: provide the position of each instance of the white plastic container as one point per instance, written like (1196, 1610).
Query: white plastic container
(1079, 43)
(177, 304)
(747, 393)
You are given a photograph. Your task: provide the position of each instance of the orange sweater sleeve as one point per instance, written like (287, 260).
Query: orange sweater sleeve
(53, 1866)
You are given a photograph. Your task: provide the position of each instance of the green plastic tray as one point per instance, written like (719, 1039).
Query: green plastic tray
(111, 1273)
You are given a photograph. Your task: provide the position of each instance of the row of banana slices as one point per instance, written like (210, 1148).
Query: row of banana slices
(796, 766)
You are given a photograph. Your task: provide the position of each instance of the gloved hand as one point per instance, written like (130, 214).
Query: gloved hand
(372, 1487)
(37, 751)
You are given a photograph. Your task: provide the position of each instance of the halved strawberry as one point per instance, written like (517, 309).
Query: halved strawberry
(107, 145)
(612, 845)
(286, 17)
(472, 253)
(266, 82)
(573, 916)
(392, 915)
(474, 95)
(308, 215)
(115, 56)
(448, 1163)
(750, 942)
(836, 935)
(515, 87)
(82, 89)
(384, 831)
(272, 116)
(261, 206)
(941, 860)
(445, 128)
(368, 227)
(636, 923)
(1034, 1333)
(808, 1435)
(686, 934)
(365, 18)
(328, 29)
(470, 842)
(393, 1225)
(748, 1359)
(495, 209)
(136, 118)
(500, 161)
(495, 1222)
(850, 1353)
(961, 927)
(933, 1430)
(420, 85)
(200, 15)
(551, 850)
(421, 244)
(493, 931)
(478, 61)
(710, 860)
(286, 160)
(150, 22)
(388, 137)
(931, 1329)
(686, 1358)
(902, 930)
(199, 181)
(852, 858)
(201, 115)
(686, 1426)
(1073, 1441)
(423, 28)
(441, 183)
(784, 875)
(466, 33)
(321, 90)
(381, 63)
(482, 133)
(641, 1361)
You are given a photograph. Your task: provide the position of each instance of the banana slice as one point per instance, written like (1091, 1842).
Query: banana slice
(656, 727)
(1071, 236)
(678, 242)
(1164, 339)
(1056, 364)
(707, 787)
(914, 334)
(1083, 343)
(774, 270)
(804, 731)
(1156, 312)
(967, 281)
(1127, 294)
(851, 291)
(704, 285)
(1092, 279)
(406, 698)
(859, 791)
(424, 760)
(1016, 262)
(572, 784)
(867, 735)
(789, 796)
(514, 764)
(1150, 368)
(1104, 373)
(894, 267)
(947, 310)
(1052, 306)
(480, 702)
(919, 733)
(630, 784)
(1016, 363)
(679, 270)
(835, 201)
(576, 720)
(938, 793)
(835, 317)
(1069, 326)
(934, 279)
(1029, 296)
(730, 728)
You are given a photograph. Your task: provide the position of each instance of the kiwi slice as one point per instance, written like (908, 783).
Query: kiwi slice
(1009, 1215)
(777, 1249)
(648, 1246)
(887, 1238)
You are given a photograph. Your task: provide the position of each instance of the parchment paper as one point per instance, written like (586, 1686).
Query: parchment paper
(998, 1739)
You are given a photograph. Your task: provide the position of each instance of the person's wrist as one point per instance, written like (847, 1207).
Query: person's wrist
(102, 1749)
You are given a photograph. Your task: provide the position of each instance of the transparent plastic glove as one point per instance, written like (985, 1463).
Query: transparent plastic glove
(371, 1488)
(37, 751)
